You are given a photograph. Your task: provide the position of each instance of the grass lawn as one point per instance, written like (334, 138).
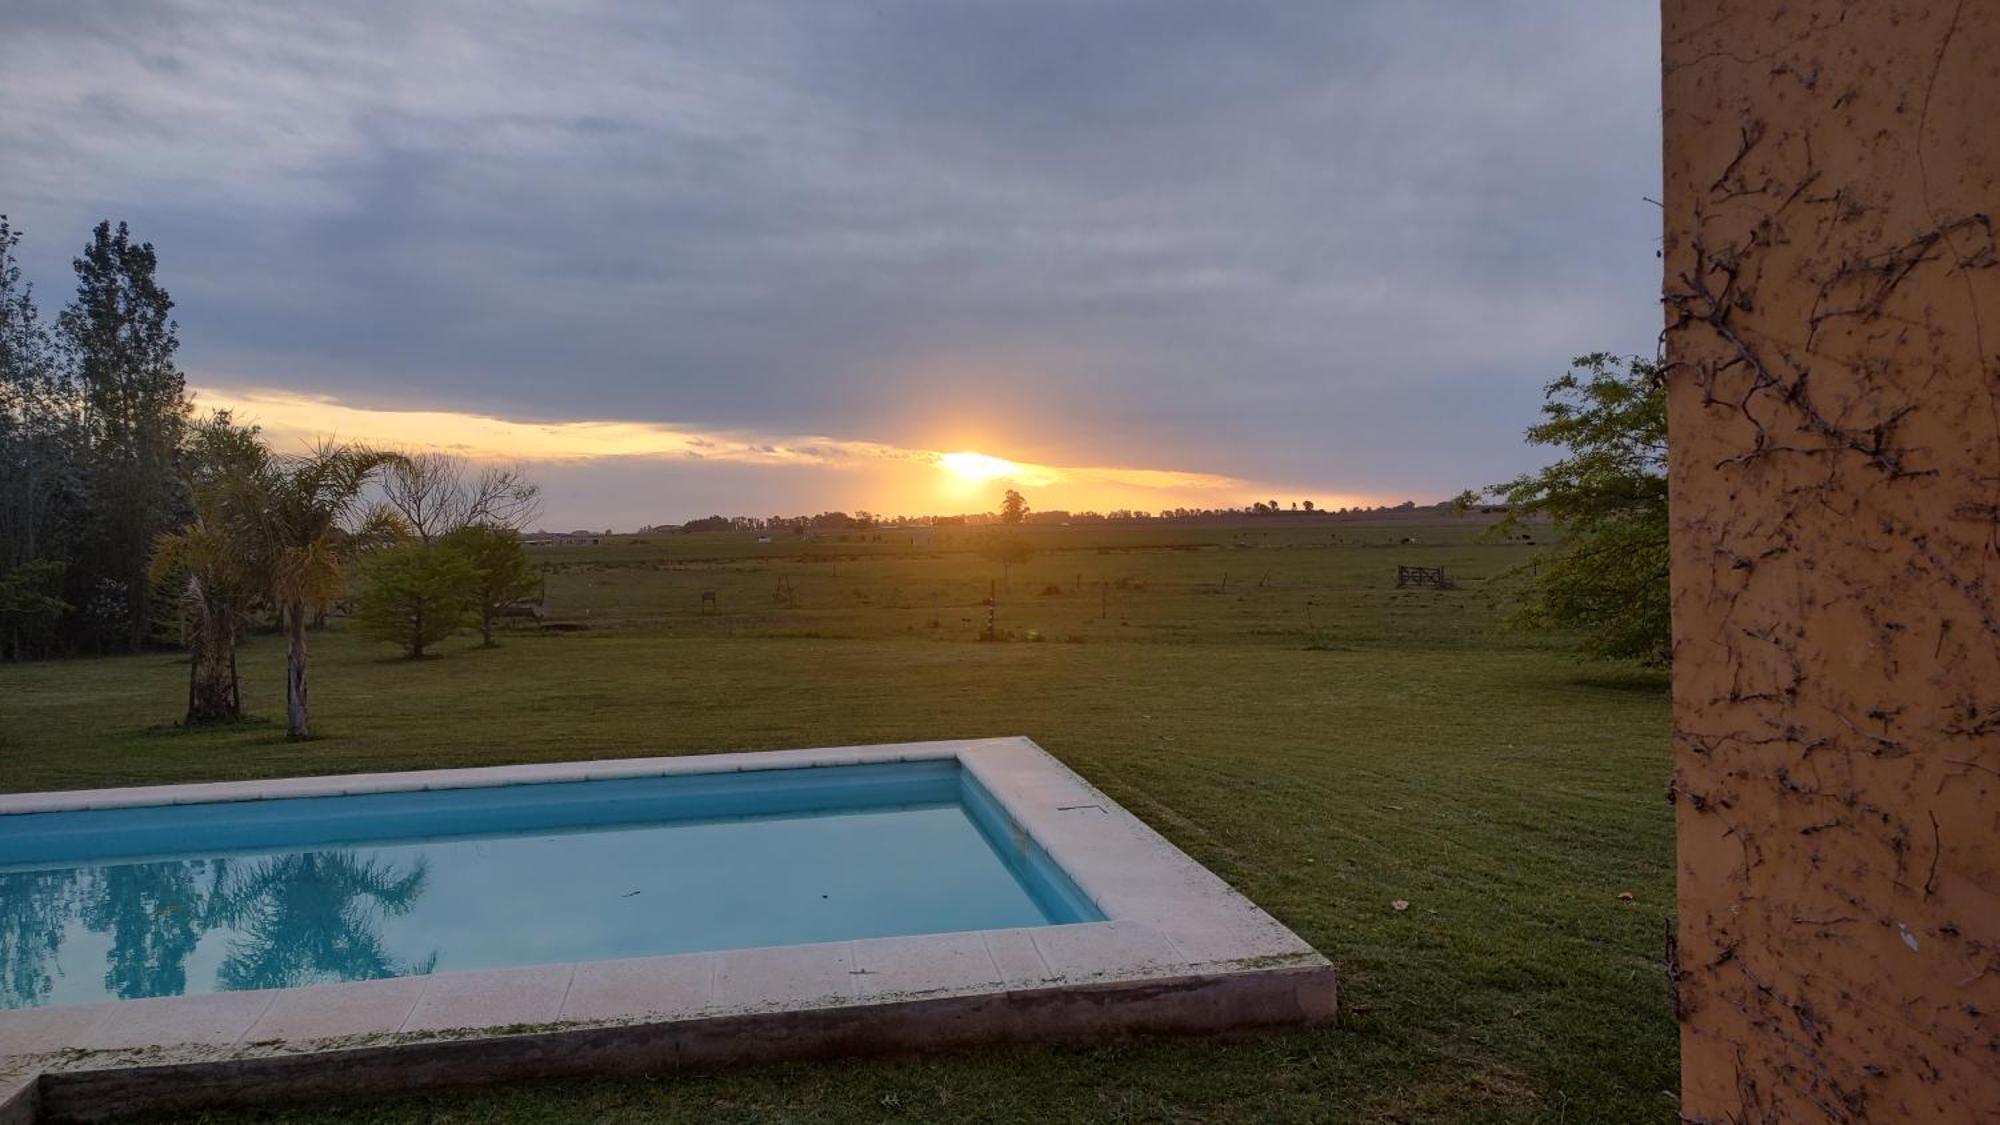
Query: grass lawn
(1323, 741)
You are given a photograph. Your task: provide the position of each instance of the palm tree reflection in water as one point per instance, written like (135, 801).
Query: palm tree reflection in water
(312, 918)
(296, 919)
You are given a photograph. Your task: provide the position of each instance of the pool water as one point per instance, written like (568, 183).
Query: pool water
(172, 900)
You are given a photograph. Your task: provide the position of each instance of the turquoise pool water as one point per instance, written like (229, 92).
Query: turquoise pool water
(171, 900)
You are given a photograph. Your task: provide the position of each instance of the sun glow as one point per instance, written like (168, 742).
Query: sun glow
(978, 467)
(878, 475)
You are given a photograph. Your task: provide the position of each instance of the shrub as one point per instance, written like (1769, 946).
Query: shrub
(414, 595)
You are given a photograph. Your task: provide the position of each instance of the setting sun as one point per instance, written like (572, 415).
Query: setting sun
(975, 467)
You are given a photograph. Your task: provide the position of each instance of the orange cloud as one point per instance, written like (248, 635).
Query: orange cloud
(897, 476)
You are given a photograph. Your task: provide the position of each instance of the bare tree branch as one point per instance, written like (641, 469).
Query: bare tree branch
(438, 493)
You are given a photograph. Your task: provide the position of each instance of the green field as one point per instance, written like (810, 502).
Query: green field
(1261, 694)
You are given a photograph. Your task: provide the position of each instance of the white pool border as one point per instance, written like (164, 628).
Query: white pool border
(1180, 950)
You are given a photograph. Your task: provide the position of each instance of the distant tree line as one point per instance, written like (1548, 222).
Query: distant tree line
(866, 521)
(796, 525)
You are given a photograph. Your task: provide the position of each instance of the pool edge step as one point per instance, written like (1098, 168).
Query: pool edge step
(1295, 996)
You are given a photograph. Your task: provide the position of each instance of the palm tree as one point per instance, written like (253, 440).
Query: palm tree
(303, 520)
(219, 586)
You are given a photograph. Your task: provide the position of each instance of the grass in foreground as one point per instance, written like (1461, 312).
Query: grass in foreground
(1507, 793)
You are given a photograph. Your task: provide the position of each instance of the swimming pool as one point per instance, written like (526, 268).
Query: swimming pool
(174, 947)
(194, 898)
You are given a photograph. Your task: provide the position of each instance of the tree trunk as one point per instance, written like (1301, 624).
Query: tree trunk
(212, 675)
(140, 590)
(417, 636)
(486, 627)
(295, 673)
(210, 699)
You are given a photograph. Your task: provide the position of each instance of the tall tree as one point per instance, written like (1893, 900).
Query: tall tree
(120, 339)
(502, 574)
(25, 367)
(42, 455)
(1013, 507)
(304, 519)
(1607, 578)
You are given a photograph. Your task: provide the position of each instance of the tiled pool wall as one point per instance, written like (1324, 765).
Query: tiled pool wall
(1176, 950)
(96, 835)
(1057, 894)
(270, 894)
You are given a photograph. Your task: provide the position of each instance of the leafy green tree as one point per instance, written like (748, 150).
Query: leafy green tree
(1607, 496)
(303, 520)
(218, 449)
(502, 574)
(414, 595)
(43, 455)
(1013, 507)
(121, 339)
(30, 606)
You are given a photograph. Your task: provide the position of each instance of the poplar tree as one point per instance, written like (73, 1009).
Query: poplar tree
(120, 338)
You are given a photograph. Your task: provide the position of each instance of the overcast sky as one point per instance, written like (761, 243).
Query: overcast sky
(1333, 247)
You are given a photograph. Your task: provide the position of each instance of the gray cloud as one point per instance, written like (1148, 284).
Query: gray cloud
(1339, 243)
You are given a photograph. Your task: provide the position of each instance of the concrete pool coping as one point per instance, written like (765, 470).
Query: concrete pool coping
(1180, 950)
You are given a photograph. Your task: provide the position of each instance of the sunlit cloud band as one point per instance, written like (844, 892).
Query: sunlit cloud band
(290, 419)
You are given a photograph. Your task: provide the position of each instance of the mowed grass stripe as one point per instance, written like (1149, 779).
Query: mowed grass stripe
(1507, 792)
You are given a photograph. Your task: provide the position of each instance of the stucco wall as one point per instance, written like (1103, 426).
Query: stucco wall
(1833, 310)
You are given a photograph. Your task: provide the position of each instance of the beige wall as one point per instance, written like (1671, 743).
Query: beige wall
(1833, 309)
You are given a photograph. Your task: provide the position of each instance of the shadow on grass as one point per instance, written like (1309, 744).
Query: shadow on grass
(1643, 680)
(237, 726)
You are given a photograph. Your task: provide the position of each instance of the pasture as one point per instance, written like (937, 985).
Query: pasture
(1260, 693)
